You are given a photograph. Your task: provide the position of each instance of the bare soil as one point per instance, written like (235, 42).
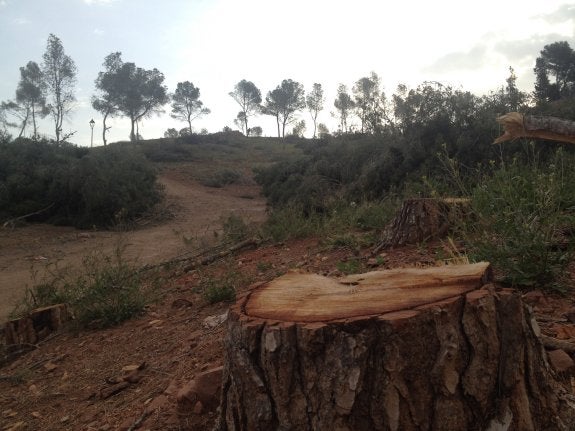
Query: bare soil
(195, 212)
(58, 385)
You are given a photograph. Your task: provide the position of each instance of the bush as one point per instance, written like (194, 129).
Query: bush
(520, 209)
(107, 291)
(74, 186)
(221, 179)
(223, 287)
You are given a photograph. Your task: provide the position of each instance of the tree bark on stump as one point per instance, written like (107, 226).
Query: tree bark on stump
(423, 219)
(36, 325)
(398, 350)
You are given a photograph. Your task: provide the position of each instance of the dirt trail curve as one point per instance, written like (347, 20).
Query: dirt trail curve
(197, 213)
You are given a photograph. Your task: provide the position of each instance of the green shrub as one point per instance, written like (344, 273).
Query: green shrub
(235, 228)
(107, 291)
(221, 178)
(519, 210)
(349, 267)
(75, 186)
(223, 287)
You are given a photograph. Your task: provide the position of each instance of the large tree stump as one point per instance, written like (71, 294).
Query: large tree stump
(423, 219)
(411, 349)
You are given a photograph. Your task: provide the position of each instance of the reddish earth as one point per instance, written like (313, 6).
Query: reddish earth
(59, 385)
(26, 253)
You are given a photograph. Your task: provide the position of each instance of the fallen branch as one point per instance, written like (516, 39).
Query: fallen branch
(11, 222)
(517, 125)
(209, 259)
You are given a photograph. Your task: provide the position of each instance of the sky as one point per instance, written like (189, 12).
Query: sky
(216, 43)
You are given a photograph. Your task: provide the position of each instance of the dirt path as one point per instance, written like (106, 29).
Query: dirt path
(27, 252)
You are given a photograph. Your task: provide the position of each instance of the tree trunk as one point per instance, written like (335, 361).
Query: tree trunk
(105, 129)
(517, 125)
(421, 220)
(411, 349)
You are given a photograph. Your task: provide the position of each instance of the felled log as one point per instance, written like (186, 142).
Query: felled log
(518, 125)
(412, 349)
(423, 219)
(36, 325)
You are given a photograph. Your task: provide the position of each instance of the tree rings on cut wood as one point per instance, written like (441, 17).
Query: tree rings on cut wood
(424, 219)
(411, 349)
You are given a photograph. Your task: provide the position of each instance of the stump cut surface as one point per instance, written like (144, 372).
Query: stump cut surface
(313, 298)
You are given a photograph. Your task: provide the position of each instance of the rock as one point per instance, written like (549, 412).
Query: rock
(198, 408)
(372, 262)
(155, 322)
(50, 366)
(157, 403)
(181, 303)
(205, 388)
(211, 322)
(172, 388)
(570, 315)
(560, 360)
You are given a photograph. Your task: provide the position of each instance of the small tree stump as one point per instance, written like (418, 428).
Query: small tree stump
(411, 349)
(423, 219)
(36, 325)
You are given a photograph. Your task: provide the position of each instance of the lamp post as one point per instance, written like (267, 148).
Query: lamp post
(92, 122)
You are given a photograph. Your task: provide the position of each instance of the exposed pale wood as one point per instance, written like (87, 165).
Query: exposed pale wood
(517, 125)
(459, 362)
(312, 298)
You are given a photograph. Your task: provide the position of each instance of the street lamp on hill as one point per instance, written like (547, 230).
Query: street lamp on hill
(92, 122)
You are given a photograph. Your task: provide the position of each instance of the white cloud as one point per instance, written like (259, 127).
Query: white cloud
(99, 32)
(3, 3)
(21, 21)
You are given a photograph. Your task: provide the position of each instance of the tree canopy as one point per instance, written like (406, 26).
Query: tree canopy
(557, 61)
(284, 102)
(249, 97)
(59, 73)
(186, 103)
(135, 92)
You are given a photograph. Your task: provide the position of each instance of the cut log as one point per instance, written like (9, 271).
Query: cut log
(36, 325)
(517, 125)
(421, 220)
(417, 349)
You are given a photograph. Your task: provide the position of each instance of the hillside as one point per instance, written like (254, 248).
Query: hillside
(74, 378)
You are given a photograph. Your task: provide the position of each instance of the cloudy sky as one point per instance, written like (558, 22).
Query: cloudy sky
(216, 43)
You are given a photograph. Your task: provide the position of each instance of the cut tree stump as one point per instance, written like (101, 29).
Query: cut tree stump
(423, 219)
(409, 349)
(36, 325)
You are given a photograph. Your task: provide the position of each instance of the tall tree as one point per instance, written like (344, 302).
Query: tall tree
(135, 92)
(59, 72)
(344, 105)
(284, 102)
(314, 102)
(249, 97)
(369, 103)
(105, 102)
(186, 103)
(30, 94)
(556, 60)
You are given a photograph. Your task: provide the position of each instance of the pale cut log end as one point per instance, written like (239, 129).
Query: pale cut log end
(512, 123)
